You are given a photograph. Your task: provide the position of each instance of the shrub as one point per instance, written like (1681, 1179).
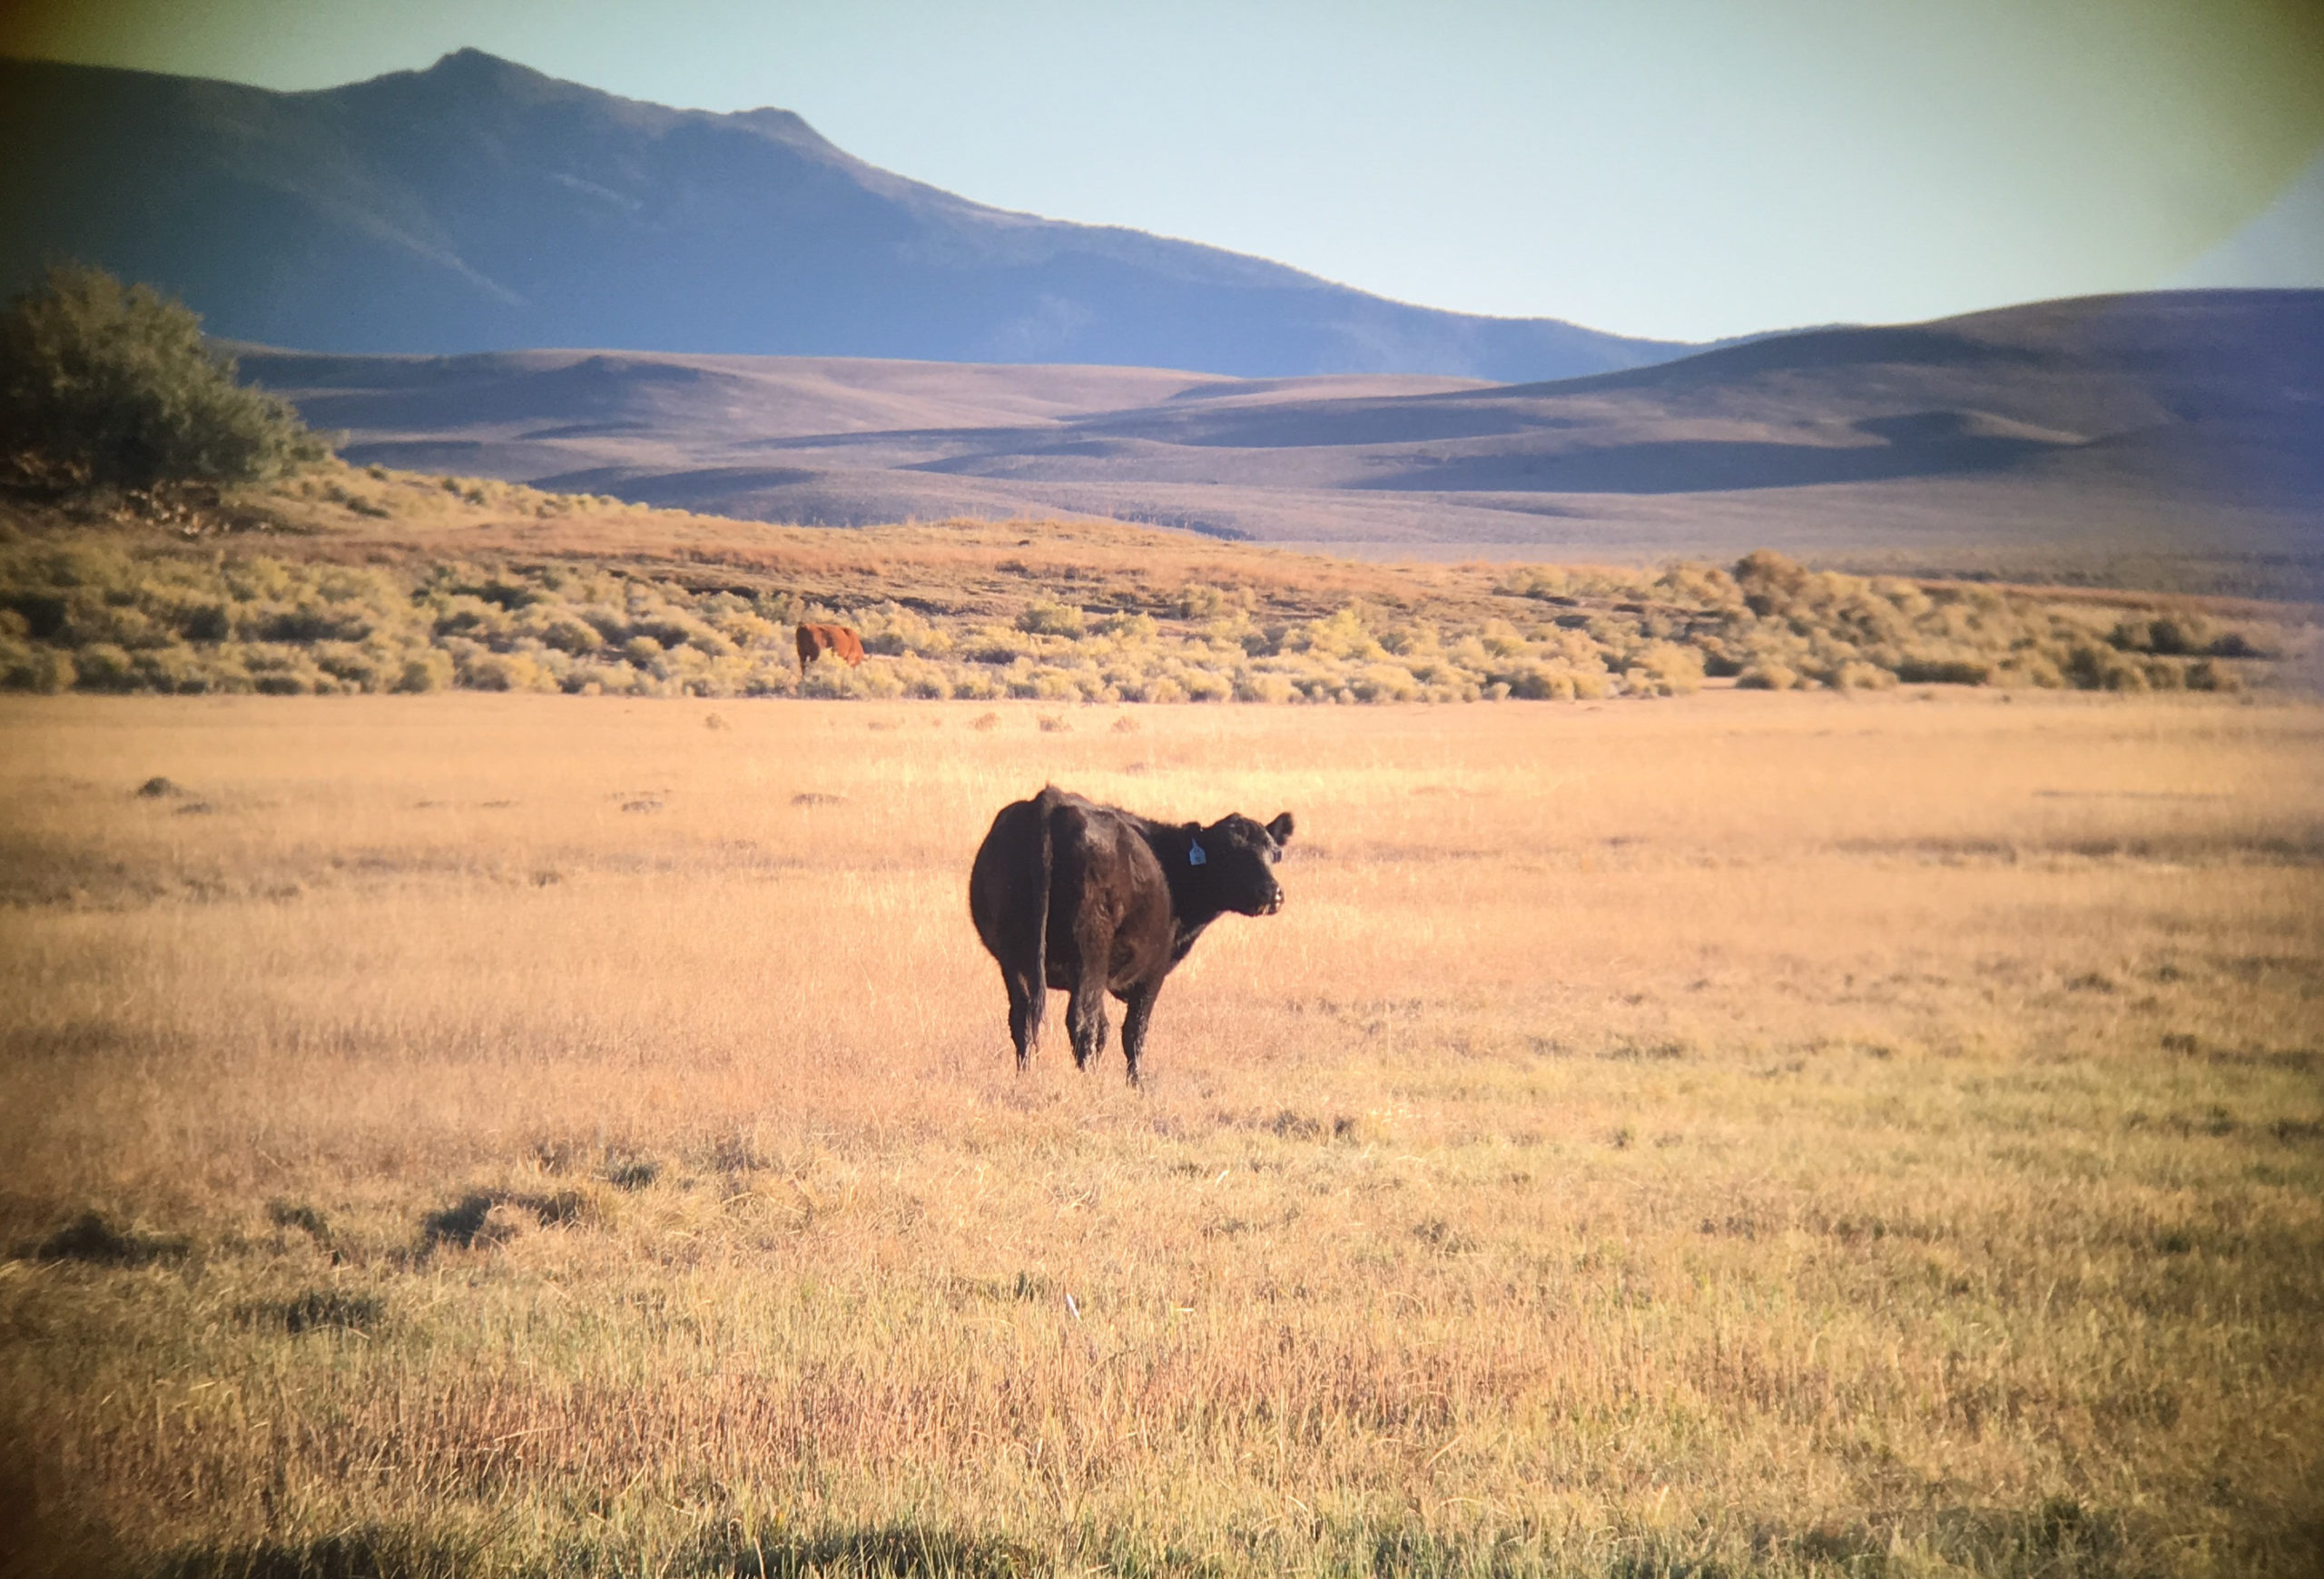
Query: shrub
(2169, 636)
(1199, 602)
(1944, 672)
(1204, 685)
(1346, 635)
(506, 672)
(310, 622)
(428, 671)
(1044, 616)
(1769, 582)
(2092, 667)
(102, 667)
(1667, 669)
(357, 668)
(830, 680)
(103, 385)
(175, 669)
(568, 634)
(1535, 683)
(44, 670)
(205, 622)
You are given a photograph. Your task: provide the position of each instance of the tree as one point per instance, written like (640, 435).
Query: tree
(107, 385)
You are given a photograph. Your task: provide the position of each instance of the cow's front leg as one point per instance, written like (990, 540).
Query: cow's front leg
(1085, 1018)
(1138, 1008)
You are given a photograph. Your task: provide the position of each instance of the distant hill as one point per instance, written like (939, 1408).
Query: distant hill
(480, 205)
(2060, 437)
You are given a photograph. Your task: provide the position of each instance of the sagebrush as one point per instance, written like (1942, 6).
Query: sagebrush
(89, 612)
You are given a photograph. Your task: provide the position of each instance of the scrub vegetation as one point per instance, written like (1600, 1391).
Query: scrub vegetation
(347, 580)
(1792, 1134)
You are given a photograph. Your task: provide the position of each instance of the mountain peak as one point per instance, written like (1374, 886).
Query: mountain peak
(787, 124)
(479, 64)
(478, 203)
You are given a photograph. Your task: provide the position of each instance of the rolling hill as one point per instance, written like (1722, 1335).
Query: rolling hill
(2059, 436)
(480, 205)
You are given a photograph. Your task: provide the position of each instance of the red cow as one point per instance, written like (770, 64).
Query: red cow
(814, 641)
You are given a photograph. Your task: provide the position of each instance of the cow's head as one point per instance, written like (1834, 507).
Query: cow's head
(1235, 854)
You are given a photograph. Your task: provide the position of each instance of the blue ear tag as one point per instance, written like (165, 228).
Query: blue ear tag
(1195, 856)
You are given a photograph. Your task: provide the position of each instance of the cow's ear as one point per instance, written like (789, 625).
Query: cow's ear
(1280, 829)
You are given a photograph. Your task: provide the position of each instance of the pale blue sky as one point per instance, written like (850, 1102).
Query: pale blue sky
(1667, 167)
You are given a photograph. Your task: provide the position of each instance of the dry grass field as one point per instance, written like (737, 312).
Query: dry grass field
(1743, 1133)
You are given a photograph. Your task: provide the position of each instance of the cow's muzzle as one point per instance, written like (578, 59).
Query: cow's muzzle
(1274, 902)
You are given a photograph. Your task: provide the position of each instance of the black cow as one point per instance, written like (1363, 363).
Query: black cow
(1093, 899)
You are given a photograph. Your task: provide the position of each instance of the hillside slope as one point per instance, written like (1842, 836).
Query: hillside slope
(2187, 424)
(480, 205)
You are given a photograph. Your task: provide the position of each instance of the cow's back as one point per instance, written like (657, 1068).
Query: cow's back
(838, 640)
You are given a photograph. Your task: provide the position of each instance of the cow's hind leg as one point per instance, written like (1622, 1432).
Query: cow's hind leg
(1138, 1012)
(1085, 1018)
(1085, 1011)
(1026, 999)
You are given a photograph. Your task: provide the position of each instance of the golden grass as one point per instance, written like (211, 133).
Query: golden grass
(1744, 1133)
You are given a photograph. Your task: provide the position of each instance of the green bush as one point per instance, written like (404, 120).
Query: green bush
(103, 385)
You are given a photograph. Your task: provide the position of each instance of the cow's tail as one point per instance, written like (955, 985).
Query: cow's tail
(1042, 875)
(1020, 911)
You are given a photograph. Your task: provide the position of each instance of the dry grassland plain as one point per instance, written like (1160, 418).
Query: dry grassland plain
(1743, 1133)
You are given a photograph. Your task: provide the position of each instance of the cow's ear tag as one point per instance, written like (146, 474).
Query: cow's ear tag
(1195, 856)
